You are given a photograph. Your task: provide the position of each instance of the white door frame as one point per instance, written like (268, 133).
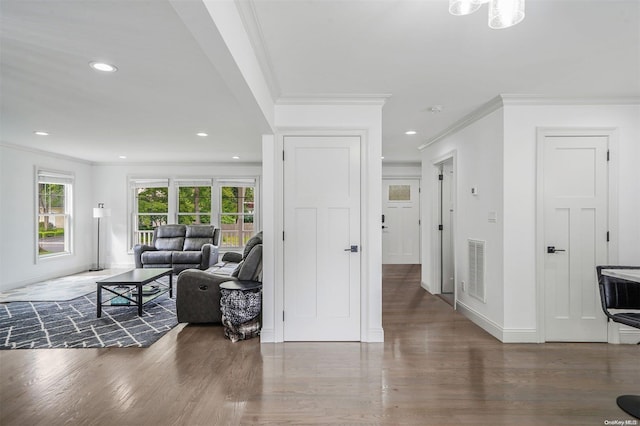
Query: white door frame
(612, 211)
(368, 331)
(436, 208)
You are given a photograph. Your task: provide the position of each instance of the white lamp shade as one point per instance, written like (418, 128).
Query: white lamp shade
(463, 7)
(101, 212)
(505, 13)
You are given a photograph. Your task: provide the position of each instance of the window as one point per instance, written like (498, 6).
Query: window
(54, 208)
(237, 205)
(150, 208)
(194, 201)
(227, 203)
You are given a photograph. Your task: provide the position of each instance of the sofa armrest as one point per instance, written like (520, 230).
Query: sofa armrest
(138, 249)
(231, 256)
(210, 254)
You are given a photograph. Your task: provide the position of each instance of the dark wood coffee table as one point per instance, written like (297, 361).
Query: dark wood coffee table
(121, 286)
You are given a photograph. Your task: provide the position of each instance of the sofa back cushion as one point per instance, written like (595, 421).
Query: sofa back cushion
(253, 241)
(250, 269)
(169, 237)
(197, 236)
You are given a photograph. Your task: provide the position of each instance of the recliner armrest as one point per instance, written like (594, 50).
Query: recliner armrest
(231, 256)
(138, 249)
(210, 254)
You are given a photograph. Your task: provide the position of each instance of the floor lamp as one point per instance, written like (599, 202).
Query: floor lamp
(99, 212)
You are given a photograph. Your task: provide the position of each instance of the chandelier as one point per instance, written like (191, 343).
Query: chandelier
(502, 13)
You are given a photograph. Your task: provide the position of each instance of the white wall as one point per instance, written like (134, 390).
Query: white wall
(18, 264)
(497, 152)
(477, 151)
(399, 170)
(521, 124)
(325, 117)
(111, 188)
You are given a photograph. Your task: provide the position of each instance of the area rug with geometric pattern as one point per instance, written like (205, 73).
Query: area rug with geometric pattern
(73, 324)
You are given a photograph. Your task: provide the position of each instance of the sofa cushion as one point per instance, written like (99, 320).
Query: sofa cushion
(197, 236)
(191, 257)
(170, 231)
(156, 257)
(169, 244)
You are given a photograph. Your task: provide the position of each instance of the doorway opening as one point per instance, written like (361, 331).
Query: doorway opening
(446, 204)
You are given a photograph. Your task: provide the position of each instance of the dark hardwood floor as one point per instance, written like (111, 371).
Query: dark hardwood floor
(435, 368)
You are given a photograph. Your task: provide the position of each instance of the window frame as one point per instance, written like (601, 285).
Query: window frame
(134, 184)
(44, 175)
(173, 184)
(191, 183)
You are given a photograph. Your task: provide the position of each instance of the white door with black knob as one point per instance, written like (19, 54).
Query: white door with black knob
(575, 185)
(322, 238)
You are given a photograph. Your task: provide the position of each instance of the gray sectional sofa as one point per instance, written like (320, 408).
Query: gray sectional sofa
(180, 247)
(198, 292)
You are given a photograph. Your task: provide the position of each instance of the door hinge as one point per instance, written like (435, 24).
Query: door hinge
(282, 316)
(440, 177)
(283, 155)
(440, 227)
(608, 156)
(419, 190)
(607, 236)
(419, 222)
(282, 235)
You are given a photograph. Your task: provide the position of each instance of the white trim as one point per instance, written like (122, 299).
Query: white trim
(333, 99)
(251, 23)
(43, 152)
(541, 100)
(505, 335)
(612, 213)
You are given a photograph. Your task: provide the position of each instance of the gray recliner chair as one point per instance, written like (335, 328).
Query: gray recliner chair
(198, 292)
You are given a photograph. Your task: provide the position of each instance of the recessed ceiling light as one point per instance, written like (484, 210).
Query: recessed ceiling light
(382, 158)
(410, 132)
(202, 134)
(39, 133)
(235, 157)
(435, 109)
(124, 157)
(101, 66)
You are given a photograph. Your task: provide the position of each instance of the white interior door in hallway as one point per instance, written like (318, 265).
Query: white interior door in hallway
(575, 186)
(401, 221)
(322, 238)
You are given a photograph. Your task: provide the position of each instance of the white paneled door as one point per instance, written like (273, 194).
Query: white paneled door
(401, 221)
(322, 238)
(575, 180)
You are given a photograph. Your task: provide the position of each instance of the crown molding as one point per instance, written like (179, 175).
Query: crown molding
(181, 164)
(249, 17)
(378, 99)
(486, 109)
(43, 152)
(526, 100)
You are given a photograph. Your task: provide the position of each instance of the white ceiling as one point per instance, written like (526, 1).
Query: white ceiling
(167, 89)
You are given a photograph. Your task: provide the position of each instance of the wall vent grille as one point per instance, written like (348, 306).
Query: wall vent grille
(476, 269)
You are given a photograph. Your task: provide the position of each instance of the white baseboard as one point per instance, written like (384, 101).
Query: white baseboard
(374, 335)
(629, 336)
(267, 335)
(513, 335)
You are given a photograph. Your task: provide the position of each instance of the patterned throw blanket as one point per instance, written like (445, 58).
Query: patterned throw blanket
(241, 313)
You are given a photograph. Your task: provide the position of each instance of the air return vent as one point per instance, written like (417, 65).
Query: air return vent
(476, 269)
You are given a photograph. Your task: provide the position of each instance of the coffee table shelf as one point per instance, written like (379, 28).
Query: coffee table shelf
(122, 286)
